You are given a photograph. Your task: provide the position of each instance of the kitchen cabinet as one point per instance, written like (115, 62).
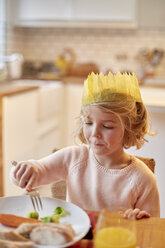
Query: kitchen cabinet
(50, 118)
(50, 122)
(151, 13)
(73, 92)
(87, 13)
(74, 13)
(19, 133)
(103, 10)
(43, 10)
(31, 125)
(49, 114)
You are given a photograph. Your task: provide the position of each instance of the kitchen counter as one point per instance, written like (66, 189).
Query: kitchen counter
(65, 79)
(153, 96)
(79, 80)
(8, 88)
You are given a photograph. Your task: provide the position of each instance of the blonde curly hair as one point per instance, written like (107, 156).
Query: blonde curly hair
(133, 116)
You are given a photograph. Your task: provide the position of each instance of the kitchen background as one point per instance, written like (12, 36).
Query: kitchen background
(59, 42)
(125, 45)
(109, 49)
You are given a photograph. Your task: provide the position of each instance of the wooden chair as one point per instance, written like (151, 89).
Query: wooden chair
(150, 162)
(58, 189)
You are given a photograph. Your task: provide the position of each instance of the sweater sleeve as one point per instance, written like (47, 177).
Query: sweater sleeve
(56, 166)
(148, 198)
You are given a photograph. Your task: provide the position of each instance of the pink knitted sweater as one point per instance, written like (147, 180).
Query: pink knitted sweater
(91, 186)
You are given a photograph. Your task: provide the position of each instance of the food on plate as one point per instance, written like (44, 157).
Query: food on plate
(27, 234)
(47, 233)
(48, 219)
(8, 234)
(11, 239)
(33, 215)
(26, 228)
(31, 230)
(58, 213)
(49, 236)
(16, 244)
(14, 220)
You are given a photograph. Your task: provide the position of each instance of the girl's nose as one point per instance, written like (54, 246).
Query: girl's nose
(96, 132)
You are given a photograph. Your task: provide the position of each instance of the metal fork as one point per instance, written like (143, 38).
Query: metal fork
(35, 199)
(34, 195)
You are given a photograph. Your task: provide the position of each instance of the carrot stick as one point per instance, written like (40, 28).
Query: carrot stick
(14, 220)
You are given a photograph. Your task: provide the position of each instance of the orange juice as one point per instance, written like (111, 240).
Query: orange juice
(115, 237)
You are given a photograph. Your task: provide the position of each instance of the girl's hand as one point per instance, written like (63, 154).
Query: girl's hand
(25, 174)
(136, 213)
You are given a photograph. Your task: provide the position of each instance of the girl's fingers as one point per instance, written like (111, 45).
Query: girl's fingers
(142, 214)
(129, 213)
(136, 214)
(20, 166)
(23, 172)
(26, 176)
(16, 169)
(20, 172)
(31, 182)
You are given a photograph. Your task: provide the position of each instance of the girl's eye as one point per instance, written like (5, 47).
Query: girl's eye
(88, 123)
(108, 127)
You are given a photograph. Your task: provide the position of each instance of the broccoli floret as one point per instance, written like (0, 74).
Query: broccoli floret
(55, 218)
(47, 219)
(60, 211)
(33, 215)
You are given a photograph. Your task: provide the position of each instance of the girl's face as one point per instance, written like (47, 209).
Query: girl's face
(103, 131)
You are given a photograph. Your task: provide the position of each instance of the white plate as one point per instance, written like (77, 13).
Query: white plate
(21, 205)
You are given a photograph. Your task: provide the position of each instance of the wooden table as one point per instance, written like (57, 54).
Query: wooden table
(150, 234)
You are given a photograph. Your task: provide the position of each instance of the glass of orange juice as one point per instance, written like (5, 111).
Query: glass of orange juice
(114, 231)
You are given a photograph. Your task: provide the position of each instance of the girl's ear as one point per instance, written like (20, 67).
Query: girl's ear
(125, 138)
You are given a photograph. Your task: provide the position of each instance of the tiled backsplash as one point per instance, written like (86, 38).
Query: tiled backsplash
(111, 49)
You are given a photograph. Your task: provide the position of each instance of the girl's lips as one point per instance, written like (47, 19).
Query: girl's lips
(98, 144)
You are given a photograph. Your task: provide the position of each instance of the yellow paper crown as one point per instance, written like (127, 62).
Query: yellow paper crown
(106, 88)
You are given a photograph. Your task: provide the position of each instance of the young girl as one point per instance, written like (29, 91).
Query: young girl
(99, 173)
